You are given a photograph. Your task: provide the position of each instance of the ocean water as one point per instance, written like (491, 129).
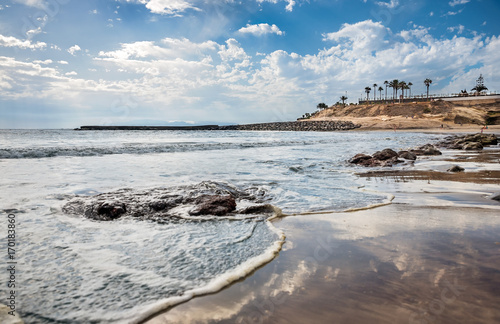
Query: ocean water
(76, 270)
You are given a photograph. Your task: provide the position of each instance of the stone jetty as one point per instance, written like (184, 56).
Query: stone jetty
(295, 126)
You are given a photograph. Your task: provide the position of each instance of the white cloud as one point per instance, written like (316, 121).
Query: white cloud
(364, 37)
(168, 7)
(289, 6)
(10, 41)
(73, 49)
(43, 62)
(458, 2)
(459, 29)
(32, 32)
(261, 29)
(453, 13)
(71, 73)
(431, 13)
(32, 3)
(392, 4)
(94, 12)
(169, 48)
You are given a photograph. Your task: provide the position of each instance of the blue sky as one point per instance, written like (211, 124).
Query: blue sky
(66, 63)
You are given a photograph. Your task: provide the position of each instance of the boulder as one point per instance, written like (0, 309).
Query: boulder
(105, 211)
(407, 155)
(461, 142)
(259, 209)
(358, 158)
(385, 154)
(472, 146)
(456, 168)
(427, 149)
(390, 162)
(213, 205)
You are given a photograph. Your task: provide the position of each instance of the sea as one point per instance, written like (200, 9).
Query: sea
(72, 269)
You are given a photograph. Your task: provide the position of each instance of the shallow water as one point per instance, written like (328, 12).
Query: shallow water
(80, 270)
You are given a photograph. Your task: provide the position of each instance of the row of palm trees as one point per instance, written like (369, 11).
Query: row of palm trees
(396, 85)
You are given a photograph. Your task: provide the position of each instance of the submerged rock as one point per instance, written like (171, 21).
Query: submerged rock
(385, 154)
(260, 209)
(359, 158)
(456, 168)
(407, 155)
(213, 205)
(427, 149)
(205, 198)
(384, 158)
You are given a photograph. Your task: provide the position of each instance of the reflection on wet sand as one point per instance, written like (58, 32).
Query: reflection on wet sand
(432, 256)
(394, 264)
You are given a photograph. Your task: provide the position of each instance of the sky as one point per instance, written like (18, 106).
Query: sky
(67, 63)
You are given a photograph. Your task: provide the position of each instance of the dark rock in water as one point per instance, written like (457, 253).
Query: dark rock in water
(495, 196)
(385, 154)
(390, 162)
(465, 141)
(472, 146)
(165, 204)
(111, 210)
(213, 205)
(384, 158)
(358, 158)
(427, 149)
(456, 168)
(259, 209)
(407, 155)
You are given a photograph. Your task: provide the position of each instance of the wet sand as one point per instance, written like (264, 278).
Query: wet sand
(432, 256)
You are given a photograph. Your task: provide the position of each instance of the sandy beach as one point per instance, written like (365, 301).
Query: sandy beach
(431, 256)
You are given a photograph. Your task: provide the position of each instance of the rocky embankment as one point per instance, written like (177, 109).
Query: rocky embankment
(298, 126)
(389, 157)
(173, 203)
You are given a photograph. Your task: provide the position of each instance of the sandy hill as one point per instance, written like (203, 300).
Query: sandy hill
(417, 115)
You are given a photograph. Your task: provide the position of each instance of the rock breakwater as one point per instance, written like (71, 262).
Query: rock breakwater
(297, 126)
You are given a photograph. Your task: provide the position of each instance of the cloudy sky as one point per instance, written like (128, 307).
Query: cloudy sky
(66, 63)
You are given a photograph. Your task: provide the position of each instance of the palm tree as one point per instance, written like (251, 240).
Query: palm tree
(427, 83)
(478, 88)
(375, 91)
(343, 98)
(367, 90)
(394, 84)
(409, 87)
(402, 86)
(386, 84)
(380, 89)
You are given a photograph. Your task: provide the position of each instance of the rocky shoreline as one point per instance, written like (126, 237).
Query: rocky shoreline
(295, 126)
(388, 157)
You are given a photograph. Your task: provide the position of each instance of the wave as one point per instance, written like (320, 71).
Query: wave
(217, 283)
(83, 151)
